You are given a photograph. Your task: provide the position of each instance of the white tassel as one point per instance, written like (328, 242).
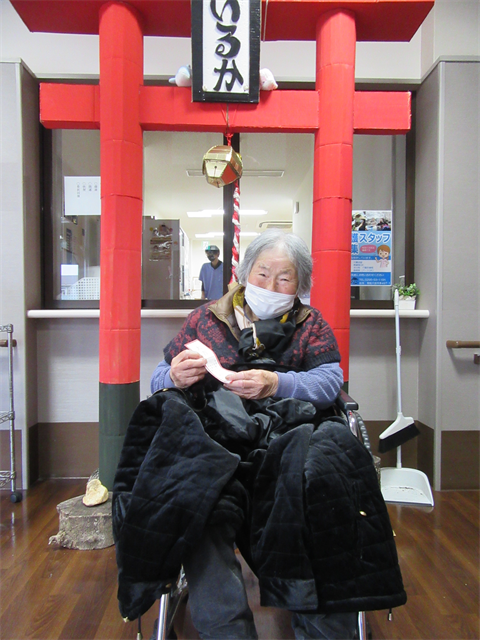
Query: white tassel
(267, 81)
(183, 77)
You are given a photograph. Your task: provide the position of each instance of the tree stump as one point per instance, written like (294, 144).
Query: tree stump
(82, 527)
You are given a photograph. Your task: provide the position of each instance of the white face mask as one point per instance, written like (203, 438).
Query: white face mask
(267, 304)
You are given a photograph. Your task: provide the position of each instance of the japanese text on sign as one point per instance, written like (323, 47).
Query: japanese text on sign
(225, 50)
(228, 47)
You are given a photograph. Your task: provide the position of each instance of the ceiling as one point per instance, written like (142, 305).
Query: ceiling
(376, 20)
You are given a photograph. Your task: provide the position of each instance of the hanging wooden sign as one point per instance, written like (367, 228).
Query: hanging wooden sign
(225, 50)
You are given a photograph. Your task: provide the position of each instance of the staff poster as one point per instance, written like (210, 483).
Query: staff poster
(371, 248)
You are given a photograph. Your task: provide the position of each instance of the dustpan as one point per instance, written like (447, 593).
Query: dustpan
(409, 486)
(400, 484)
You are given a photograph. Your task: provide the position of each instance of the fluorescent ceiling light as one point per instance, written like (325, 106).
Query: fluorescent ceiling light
(253, 173)
(211, 234)
(208, 213)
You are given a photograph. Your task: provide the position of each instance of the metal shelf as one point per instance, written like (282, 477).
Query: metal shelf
(9, 416)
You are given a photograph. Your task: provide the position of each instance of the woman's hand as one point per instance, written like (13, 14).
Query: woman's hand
(187, 368)
(253, 384)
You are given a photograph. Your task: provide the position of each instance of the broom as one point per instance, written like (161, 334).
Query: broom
(403, 429)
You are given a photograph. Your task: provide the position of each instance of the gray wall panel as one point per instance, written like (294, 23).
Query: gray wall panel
(460, 383)
(19, 211)
(447, 237)
(426, 237)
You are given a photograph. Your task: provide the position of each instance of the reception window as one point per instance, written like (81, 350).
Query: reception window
(183, 213)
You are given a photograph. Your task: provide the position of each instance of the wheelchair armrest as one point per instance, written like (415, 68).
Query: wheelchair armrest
(349, 407)
(345, 403)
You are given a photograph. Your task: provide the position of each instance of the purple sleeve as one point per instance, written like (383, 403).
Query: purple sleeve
(320, 386)
(161, 377)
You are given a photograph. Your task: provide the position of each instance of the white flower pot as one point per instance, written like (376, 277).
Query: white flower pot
(406, 302)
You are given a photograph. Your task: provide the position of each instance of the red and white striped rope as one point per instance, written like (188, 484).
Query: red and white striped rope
(236, 232)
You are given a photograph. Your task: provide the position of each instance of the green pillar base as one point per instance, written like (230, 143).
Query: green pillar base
(117, 402)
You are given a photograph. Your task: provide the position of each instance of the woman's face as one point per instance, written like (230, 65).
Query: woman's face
(273, 270)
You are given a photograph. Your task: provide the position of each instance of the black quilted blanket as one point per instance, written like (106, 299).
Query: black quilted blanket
(300, 490)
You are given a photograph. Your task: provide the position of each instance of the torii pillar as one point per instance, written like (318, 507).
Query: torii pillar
(332, 172)
(121, 163)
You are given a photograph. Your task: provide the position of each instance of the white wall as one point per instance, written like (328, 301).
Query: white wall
(373, 379)
(68, 365)
(302, 219)
(451, 29)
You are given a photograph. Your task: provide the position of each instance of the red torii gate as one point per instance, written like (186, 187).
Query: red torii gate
(122, 108)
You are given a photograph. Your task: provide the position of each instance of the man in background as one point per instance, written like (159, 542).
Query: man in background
(211, 274)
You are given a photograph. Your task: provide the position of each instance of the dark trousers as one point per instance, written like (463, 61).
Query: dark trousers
(218, 598)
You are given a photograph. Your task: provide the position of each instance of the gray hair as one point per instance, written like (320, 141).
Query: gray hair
(295, 248)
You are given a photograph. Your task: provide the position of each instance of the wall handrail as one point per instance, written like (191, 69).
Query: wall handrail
(466, 344)
(4, 343)
(463, 344)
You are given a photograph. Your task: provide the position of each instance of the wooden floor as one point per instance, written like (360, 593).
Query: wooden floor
(50, 593)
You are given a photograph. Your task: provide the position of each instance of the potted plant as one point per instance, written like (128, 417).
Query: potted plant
(407, 295)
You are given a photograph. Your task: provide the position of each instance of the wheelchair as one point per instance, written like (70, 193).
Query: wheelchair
(178, 592)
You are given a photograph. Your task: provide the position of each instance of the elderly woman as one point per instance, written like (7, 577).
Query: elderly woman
(254, 462)
(262, 321)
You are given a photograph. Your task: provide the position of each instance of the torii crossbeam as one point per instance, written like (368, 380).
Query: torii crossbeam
(122, 108)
